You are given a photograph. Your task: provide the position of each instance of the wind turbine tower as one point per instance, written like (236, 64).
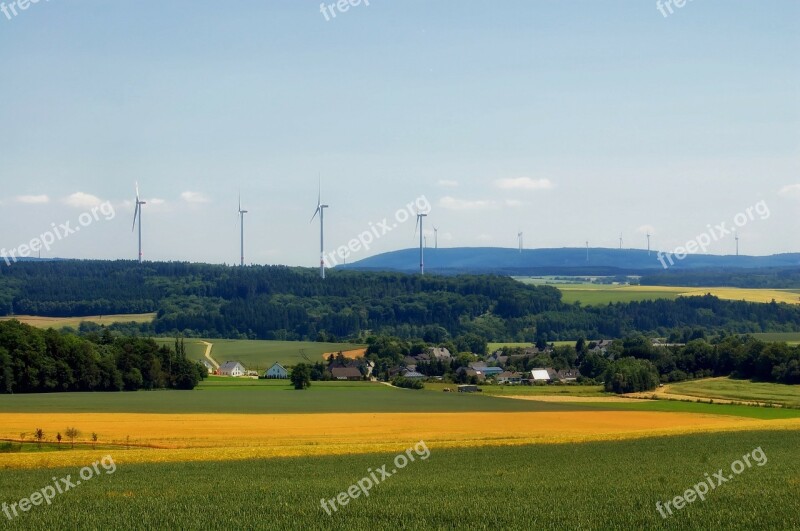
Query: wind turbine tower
(421, 247)
(137, 215)
(648, 244)
(241, 224)
(620, 241)
(321, 211)
(435, 238)
(737, 245)
(519, 238)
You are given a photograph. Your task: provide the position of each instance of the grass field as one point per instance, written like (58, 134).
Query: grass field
(74, 322)
(598, 485)
(597, 294)
(739, 390)
(260, 355)
(792, 338)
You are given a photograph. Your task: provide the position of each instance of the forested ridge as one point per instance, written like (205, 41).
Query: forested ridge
(276, 302)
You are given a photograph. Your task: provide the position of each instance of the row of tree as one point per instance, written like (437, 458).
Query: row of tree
(33, 361)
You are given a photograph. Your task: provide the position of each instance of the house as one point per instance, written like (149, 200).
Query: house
(568, 375)
(492, 371)
(207, 365)
(231, 368)
(470, 372)
(540, 375)
(277, 372)
(509, 378)
(346, 373)
(439, 353)
(413, 375)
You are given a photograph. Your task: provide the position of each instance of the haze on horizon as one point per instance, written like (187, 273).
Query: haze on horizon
(566, 121)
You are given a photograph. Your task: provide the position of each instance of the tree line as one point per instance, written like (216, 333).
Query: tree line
(39, 361)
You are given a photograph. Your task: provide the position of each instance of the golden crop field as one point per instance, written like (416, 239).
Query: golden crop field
(592, 294)
(61, 322)
(349, 354)
(218, 437)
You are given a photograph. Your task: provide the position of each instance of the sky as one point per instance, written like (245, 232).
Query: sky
(569, 121)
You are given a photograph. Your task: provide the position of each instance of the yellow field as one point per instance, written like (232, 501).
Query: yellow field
(206, 437)
(349, 354)
(60, 322)
(736, 294)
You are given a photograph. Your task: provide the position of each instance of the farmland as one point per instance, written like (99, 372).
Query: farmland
(591, 294)
(738, 390)
(257, 354)
(74, 322)
(612, 493)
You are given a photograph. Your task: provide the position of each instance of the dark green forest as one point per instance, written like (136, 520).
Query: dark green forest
(274, 302)
(40, 361)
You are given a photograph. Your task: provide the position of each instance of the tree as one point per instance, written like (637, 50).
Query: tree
(72, 434)
(631, 375)
(59, 437)
(301, 376)
(94, 440)
(39, 436)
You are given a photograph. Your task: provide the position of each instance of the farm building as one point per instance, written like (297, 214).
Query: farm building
(414, 375)
(568, 375)
(346, 373)
(276, 372)
(232, 368)
(540, 375)
(510, 378)
(207, 365)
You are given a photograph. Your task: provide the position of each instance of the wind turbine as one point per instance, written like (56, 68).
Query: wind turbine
(519, 238)
(137, 214)
(241, 223)
(435, 238)
(321, 211)
(737, 244)
(421, 248)
(620, 241)
(648, 243)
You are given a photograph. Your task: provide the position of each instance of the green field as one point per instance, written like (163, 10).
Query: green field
(598, 485)
(739, 390)
(792, 338)
(260, 355)
(264, 396)
(529, 390)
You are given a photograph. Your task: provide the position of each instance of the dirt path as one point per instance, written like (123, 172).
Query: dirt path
(208, 354)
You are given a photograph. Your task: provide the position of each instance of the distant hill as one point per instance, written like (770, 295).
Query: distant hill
(564, 261)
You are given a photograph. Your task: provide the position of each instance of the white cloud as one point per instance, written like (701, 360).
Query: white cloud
(82, 200)
(451, 203)
(514, 203)
(447, 183)
(156, 201)
(32, 199)
(194, 197)
(791, 190)
(523, 183)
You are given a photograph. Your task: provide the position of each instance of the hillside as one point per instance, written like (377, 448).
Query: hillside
(601, 261)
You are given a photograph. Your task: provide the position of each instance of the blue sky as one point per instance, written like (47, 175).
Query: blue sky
(569, 121)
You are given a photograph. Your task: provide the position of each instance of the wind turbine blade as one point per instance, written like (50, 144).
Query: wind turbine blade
(135, 214)
(416, 226)
(137, 190)
(315, 214)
